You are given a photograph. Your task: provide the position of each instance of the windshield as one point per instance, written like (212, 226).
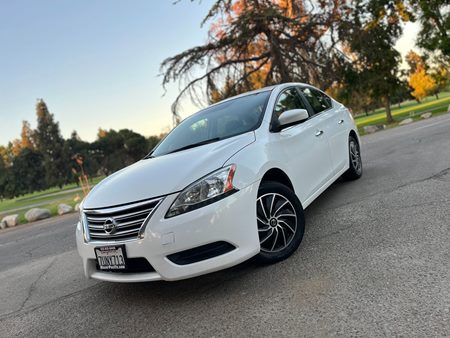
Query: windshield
(216, 123)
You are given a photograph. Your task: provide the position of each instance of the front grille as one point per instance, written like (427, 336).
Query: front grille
(119, 223)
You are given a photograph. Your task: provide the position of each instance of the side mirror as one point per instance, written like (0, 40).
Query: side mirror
(291, 117)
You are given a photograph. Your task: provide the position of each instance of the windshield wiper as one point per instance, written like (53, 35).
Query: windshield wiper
(193, 145)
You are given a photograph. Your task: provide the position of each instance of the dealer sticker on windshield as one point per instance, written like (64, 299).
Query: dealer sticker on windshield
(110, 258)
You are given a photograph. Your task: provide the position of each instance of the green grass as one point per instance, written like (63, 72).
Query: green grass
(49, 198)
(434, 106)
(405, 104)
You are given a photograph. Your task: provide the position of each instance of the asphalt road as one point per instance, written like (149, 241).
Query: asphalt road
(375, 261)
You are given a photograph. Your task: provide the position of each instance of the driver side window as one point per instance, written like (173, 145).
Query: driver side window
(289, 99)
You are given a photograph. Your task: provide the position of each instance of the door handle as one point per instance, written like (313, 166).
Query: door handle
(319, 132)
(341, 121)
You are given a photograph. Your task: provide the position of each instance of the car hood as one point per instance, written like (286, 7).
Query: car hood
(165, 174)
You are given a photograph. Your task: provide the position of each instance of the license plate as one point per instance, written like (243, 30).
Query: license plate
(111, 258)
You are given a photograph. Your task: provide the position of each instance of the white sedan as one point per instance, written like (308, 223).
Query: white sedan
(229, 183)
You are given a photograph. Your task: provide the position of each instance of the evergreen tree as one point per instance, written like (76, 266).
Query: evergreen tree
(50, 143)
(26, 136)
(3, 173)
(27, 172)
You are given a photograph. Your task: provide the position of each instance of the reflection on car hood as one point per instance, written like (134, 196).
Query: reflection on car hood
(164, 175)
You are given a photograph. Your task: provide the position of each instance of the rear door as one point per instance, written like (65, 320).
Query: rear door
(331, 123)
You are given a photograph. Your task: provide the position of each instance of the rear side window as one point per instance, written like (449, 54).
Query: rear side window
(318, 100)
(289, 99)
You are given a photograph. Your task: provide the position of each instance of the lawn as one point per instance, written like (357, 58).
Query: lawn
(406, 104)
(408, 109)
(48, 199)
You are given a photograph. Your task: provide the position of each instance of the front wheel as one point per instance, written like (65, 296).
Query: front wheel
(355, 166)
(281, 223)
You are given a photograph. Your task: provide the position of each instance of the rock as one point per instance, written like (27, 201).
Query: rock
(11, 220)
(64, 209)
(36, 214)
(2, 225)
(77, 207)
(373, 128)
(406, 121)
(426, 115)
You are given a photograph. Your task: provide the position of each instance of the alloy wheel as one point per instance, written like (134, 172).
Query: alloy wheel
(277, 222)
(355, 156)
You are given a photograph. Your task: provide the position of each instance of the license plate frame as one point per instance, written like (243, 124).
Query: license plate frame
(111, 258)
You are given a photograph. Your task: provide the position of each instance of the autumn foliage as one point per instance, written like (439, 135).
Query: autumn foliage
(420, 81)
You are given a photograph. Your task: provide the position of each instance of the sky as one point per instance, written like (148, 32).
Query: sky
(96, 62)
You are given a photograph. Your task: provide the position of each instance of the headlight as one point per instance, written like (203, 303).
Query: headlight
(205, 191)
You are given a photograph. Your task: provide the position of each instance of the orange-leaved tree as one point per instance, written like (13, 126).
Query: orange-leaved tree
(255, 43)
(422, 83)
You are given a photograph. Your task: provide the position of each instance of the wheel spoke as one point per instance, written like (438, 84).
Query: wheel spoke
(287, 215)
(276, 238)
(263, 210)
(275, 214)
(284, 236)
(271, 205)
(288, 226)
(267, 237)
(263, 222)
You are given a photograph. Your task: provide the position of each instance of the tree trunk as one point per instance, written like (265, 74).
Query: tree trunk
(389, 118)
(437, 95)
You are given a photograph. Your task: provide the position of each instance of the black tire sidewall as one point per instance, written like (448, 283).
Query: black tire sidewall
(351, 173)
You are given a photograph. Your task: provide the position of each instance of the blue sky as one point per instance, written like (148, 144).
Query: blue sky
(95, 62)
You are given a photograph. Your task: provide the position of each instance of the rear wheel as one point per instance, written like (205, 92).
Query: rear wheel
(281, 222)
(355, 166)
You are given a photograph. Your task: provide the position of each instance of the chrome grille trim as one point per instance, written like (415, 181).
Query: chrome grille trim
(130, 221)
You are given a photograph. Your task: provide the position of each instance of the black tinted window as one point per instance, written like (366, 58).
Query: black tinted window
(288, 100)
(318, 101)
(221, 121)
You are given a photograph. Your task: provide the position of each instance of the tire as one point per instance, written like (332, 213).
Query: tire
(354, 157)
(280, 233)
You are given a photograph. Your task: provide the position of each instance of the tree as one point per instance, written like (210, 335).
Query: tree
(3, 174)
(375, 27)
(434, 17)
(114, 150)
(76, 147)
(422, 83)
(441, 77)
(27, 172)
(255, 43)
(414, 60)
(50, 143)
(26, 136)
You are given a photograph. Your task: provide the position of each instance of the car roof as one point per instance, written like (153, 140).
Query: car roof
(261, 90)
(252, 92)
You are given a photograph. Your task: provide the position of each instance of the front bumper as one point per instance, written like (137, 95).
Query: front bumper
(232, 220)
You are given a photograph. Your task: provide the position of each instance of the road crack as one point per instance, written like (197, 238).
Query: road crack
(32, 287)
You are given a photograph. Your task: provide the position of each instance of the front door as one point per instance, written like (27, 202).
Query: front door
(304, 147)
